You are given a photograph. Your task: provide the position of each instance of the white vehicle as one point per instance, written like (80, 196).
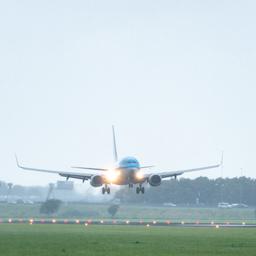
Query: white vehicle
(224, 205)
(169, 204)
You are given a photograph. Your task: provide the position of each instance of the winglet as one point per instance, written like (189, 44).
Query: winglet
(17, 161)
(222, 158)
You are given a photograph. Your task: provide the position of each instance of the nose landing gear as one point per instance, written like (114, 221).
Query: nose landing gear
(140, 189)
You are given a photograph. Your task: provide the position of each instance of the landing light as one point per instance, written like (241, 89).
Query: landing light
(112, 175)
(139, 175)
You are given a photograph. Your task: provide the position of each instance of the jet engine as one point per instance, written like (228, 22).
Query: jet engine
(154, 180)
(96, 181)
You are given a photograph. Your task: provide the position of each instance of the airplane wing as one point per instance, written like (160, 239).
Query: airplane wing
(75, 175)
(169, 174)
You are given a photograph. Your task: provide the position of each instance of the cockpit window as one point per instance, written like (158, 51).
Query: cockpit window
(130, 161)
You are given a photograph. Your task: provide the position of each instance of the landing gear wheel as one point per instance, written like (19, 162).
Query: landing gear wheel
(108, 190)
(142, 190)
(103, 191)
(137, 190)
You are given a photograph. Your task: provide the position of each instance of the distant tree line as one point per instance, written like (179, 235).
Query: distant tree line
(200, 191)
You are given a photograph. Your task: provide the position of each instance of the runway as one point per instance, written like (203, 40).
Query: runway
(167, 223)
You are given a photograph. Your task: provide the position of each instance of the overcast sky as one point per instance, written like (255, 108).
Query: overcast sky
(176, 78)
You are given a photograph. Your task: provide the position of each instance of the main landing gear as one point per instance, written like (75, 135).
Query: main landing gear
(105, 189)
(140, 189)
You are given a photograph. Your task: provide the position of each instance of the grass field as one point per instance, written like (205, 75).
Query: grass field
(54, 240)
(132, 212)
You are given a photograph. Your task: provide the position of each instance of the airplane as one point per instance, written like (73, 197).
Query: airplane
(127, 171)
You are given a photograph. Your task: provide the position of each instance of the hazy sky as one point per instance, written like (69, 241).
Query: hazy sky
(176, 78)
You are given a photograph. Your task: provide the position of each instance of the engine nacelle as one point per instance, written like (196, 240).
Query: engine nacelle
(96, 181)
(154, 180)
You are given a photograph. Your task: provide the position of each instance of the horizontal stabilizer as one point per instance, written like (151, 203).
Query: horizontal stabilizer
(147, 166)
(89, 168)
